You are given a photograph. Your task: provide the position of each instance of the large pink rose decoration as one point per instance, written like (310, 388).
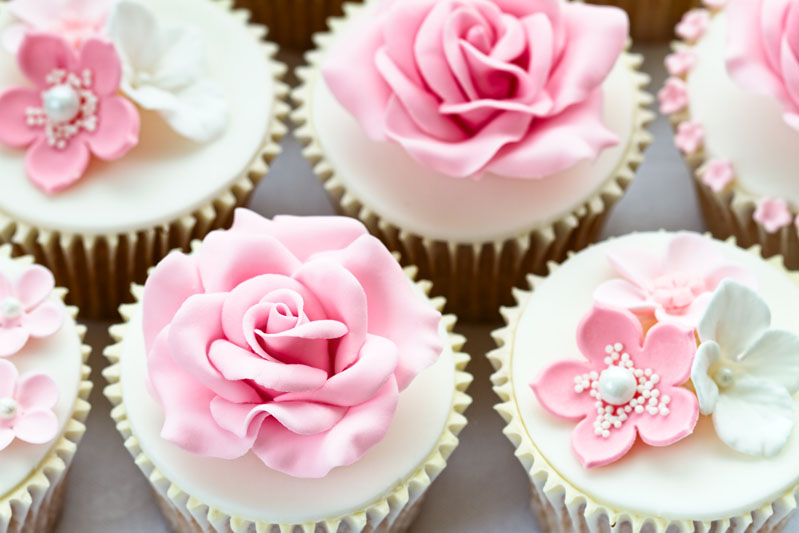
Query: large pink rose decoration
(511, 87)
(289, 337)
(73, 110)
(763, 50)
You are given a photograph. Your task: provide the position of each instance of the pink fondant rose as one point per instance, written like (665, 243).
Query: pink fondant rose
(72, 111)
(511, 87)
(26, 309)
(627, 386)
(763, 50)
(26, 406)
(289, 337)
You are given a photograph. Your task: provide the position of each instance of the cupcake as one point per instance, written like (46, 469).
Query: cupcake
(44, 392)
(287, 374)
(735, 80)
(126, 131)
(651, 20)
(477, 165)
(668, 375)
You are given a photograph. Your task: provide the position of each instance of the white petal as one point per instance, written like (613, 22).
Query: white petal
(200, 112)
(735, 318)
(775, 357)
(150, 97)
(754, 416)
(707, 391)
(182, 61)
(135, 32)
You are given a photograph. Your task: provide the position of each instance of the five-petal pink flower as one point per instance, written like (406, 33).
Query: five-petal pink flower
(673, 96)
(26, 406)
(693, 24)
(773, 214)
(74, 20)
(289, 337)
(26, 309)
(72, 111)
(625, 386)
(676, 287)
(474, 86)
(717, 174)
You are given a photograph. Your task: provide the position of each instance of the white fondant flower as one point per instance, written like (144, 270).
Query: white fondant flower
(164, 70)
(745, 373)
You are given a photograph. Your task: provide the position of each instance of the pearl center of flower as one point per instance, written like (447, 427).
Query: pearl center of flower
(11, 308)
(617, 386)
(8, 408)
(677, 291)
(724, 377)
(61, 103)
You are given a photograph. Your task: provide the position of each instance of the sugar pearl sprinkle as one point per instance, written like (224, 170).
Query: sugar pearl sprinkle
(68, 106)
(643, 396)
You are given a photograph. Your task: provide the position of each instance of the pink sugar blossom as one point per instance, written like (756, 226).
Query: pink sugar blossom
(773, 214)
(681, 62)
(673, 96)
(26, 309)
(689, 137)
(717, 174)
(693, 24)
(26, 406)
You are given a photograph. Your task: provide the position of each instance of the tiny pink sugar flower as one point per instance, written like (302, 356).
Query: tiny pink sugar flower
(26, 310)
(773, 214)
(72, 111)
(626, 386)
(26, 406)
(673, 96)
(693, 24)
(717, 174)
(680, 63)
(689, 137)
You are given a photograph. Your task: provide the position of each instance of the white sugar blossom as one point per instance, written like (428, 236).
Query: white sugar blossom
(164, 70)
(745, 373)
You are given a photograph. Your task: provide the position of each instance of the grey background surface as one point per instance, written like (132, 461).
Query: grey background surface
(484, 488)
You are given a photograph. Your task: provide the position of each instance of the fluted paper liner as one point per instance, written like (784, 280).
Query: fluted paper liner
(475, 278)
(389, 513)
(731, 211)
(651, 20)
(34, 505)
(98, 269)
(562, 508)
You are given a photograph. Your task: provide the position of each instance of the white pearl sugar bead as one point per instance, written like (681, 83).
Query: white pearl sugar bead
(724, 377)
(11, 308)
(8, 408)
(61, 103)
(616, 385)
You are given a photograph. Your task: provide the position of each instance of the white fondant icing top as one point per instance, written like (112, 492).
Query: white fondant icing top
(740, 126)
(247, 489)
(698, 478)
(417, 199)
(165, 176)
(60, 357)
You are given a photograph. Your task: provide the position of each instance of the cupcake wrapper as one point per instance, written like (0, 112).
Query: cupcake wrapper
(475, 278)
(35, 504)
(98, 269)
(291, 23)
(387, 514)
(651, 20)
(562, 508)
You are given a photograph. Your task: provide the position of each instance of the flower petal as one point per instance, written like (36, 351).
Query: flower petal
(6, 287)
(554, 388)
(602, 327)
(6, 437)
(36, 426)
(735, 318)
(100, 57)
(117, 128)
(731, 271)
(302, 418)
(669, 351)
(637, 266)
(37, 391)
(14, 129)
(42, 53)
(622, 293)
(687, 252)
(8, 376)
(53, 169)
(775, 357)
(688, 317)
(198, 112)
(134, 30)
(594, 450)
(12, 340)
(44, 320)
(34, 285)
(754, 416)
(659, 430)
(182, 60)
(707, 392)
(313, 456)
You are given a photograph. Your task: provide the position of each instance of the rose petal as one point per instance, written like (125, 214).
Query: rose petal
(790, 73)
(37, 391)
(34, 285)
(14, 129)
(554, 388)
(53, 169)
(8, 376)
(754, 416)
(594, 450)
(44, 320)
(622, 293)
(602, 327)
(117, 128)
(12, 340)
(774, 357)
(313, 456)
(659, 430)
(301, 418)
(707, 392)
(42, 53)
(100, 57)
(36, 426)
(307, 344)
(669, 351)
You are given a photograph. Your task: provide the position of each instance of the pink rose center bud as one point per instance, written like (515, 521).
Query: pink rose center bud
(677, 291)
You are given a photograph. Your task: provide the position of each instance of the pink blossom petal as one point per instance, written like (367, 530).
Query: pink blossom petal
(6, 437)
(669, 351)
(593, 450)
(622, 293)
(37, 391)
(14, 129)
(44, 320)
(42, 53)
(687, 318)
(100, 57)
(638, 266)
(34, 285)
(117, 128)
(773, 214)
(554, 388)
(38, 13)
(604, 327)
(313, 456)
(301, 418)
(36, 426)
(732, 271)
(53, 169)
(659, 430)
(6, 287)
(8, 377)
(12, 340)
(691, 254)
